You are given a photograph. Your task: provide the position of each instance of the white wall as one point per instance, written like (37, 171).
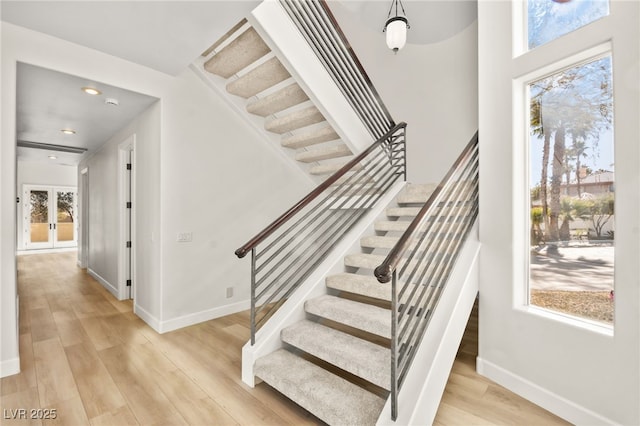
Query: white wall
(104, 207)
(582, 373)
(223, 184)
(211, 175)
(38, 173)
(432, 87)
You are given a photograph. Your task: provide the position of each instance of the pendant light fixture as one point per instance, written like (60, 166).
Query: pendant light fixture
(396, 27)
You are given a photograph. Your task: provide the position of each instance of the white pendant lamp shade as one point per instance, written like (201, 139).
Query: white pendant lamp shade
(396, 29)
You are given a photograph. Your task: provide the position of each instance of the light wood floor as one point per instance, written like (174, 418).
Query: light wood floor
(86, 355)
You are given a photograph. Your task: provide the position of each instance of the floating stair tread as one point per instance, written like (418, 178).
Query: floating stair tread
(362, 316)
(278, 101)
(375, 241)
(363, 260)
(258, 79)
(365, 285)
(416, 193)
(386, 225)
(309, 137)
(247, 48)
(357, 356)
(324, 153)
(325, 395)
(326, 169)
(294, 120)
(402, 211)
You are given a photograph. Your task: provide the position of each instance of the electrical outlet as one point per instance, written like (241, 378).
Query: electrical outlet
(184, 237)
(229, 292)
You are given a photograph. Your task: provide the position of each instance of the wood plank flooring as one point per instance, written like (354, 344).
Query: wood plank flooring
(87, 356)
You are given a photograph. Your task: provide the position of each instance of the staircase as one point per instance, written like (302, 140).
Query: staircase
(251, 71)
(336, 362)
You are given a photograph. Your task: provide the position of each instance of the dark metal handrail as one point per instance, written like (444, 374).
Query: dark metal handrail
(384, 272)
(269, 230)
(291, 248)
(420, 264)
(319, 27)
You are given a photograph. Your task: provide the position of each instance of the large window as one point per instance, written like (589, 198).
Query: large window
(572, 190)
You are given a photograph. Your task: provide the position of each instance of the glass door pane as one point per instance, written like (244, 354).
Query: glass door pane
(39, 216)
(65, 216)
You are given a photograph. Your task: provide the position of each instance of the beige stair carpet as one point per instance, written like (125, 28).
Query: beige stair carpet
(237, 55)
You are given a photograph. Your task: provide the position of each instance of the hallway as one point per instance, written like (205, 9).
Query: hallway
(88, 357)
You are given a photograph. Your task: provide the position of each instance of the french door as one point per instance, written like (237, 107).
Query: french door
(49, 217)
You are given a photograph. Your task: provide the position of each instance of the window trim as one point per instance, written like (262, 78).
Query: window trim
(521, 175)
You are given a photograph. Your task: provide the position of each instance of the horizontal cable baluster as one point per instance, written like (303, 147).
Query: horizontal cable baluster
(326, 237)
(435, 275)
(290, 248)
(455, 193)
(318, 26)
(420, 263)
(323, 211)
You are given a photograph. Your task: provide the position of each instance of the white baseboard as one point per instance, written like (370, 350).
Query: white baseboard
(45, 251)
(9, 367)
(106, 284)
(546, 399)
(151, 321)
(198, 317)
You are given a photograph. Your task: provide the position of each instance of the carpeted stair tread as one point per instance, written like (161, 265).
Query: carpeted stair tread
(416, 193)
(357, 356)
(364, 260)
(327, 396)
(378, 242)
(330, 168)
(258, 79)
(365, 285)
(324, 153)
(294, 120)
(387, 225)
(362, 316)
(309, 137)
(247, 48)
(278, 101)
(375, 241)
(402, 211)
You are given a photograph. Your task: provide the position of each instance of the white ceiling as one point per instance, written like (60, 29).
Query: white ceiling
(49, 101)
(164, 35)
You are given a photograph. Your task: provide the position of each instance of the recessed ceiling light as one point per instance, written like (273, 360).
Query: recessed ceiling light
(52, 157)
(91, 91)
(68, 131)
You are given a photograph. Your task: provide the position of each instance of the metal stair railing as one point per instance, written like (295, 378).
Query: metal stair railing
(420, 263)
(321, 30)
(287, 251)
